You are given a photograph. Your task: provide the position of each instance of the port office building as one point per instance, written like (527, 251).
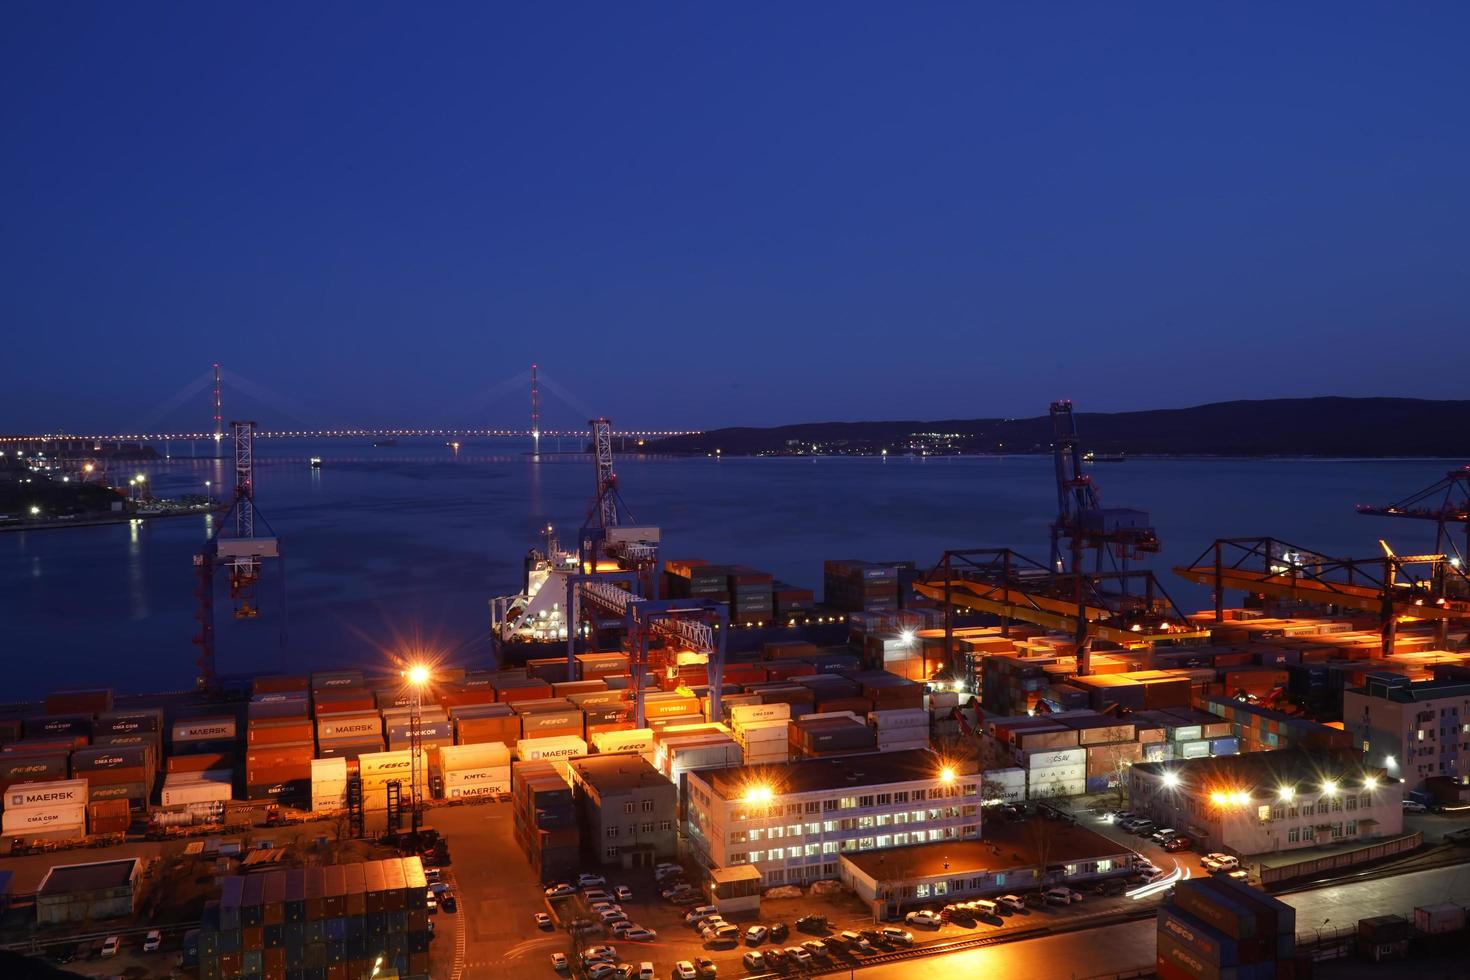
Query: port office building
(1417, 732)
(1264, 802)
(626, 808)
(793, 822)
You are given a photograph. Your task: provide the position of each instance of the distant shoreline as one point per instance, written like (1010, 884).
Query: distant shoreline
(99, 520)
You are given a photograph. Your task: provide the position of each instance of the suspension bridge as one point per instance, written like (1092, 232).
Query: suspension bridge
(215, 432)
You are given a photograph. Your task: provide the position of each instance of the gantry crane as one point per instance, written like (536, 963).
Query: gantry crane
(605, 533)
(1122, 533)
(1445, 502)
(235, 546)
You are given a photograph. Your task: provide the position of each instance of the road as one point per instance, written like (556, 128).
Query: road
(1130, 946)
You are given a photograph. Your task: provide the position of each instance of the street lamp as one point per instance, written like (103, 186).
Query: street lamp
(1171, 780)
(947, 775)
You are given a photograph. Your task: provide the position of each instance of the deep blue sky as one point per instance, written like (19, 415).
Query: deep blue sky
(697, 214)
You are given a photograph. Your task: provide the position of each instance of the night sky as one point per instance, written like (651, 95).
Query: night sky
(696, 215)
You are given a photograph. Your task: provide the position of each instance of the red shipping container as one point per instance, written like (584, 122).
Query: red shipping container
(203, 762)
(279, 684)
(79, 702)
(279, 732)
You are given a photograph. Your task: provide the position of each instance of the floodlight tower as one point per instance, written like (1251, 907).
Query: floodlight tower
(417, 676)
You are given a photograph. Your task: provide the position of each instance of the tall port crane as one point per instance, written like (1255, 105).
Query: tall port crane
(1445, 502)
(609, 531)
(234, 546)
(1122, 533)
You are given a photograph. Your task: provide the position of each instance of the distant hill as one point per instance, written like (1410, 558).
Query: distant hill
(1274, 427)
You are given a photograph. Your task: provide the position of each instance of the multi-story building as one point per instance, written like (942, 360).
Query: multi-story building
(1263, 802)
(792, 822)
(1415, 731)
(626, 809)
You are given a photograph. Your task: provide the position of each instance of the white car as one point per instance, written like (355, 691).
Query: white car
(596, 895)
(560, 963)
(924, 918)
(756, 935)
(620, 927)
(623, 893)
(590, 881)
(684, 970)
(641, 935)
(699, 912)
(601, 969)
(755, 961)
(799, 956)
(1011, 902)
(152, 941)
(895, 935)
(645, 970)
(560, 891)
(1240, 874)
(1148, 869)
(1059, 896)
(593, 953)
(1220, 862)
(1414, 806)
(543, 921)
(611, 915)
(110, 945)
(664, 870)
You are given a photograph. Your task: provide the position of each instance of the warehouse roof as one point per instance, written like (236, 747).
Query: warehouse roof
(66, 878)
(617, 772)
(1297, 768)
(815, 775)
(1418, 691)
(1006, 846)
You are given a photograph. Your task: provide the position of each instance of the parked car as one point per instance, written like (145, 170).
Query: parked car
(110, 945)
(641, 935)
(449, 903)
(983, 907)
(705, 967)
(756, 935)
(1241, 875)
(899, 937)
(595, 895)
(1123, 816)
(603, 952)
(562, 890)
(1414, 806)
(1179, 842)
(1141, 828)
(1148, 869)
(601, 970)
(776, 958)
(755, 961)
(543, 921)
(1215, 861)
(722, 942)
(684, 970)
(611, 915)
(1011, 903)
(677, 891)
(623, 893)
(1162, 836)
(560, 963)
(666, 870)
(799, 956)
(699, 912)
(620, 927)
(807, 923)
(854, 942)
(590, 881)
(817, 948)
(780, 930)
(1058, 896)
(924, 918)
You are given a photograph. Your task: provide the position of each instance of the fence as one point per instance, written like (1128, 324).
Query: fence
(1343, 859)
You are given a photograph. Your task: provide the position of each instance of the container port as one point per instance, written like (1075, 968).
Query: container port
(619, 683)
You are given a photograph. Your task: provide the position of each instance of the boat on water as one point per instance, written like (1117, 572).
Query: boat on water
(1105, 457)
(316, 462)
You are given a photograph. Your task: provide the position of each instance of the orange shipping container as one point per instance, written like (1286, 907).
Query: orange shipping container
(278, 733)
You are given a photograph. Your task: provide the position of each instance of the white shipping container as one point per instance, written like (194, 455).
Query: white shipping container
(195, 791)
(204, 730)
(1057, 772)
(328, 797)
(899, 718)
(743, 714)
(761, 736)
(329, 769)
(1051, 790)
(1049, 758)
(45, 819)
(476, 789)
(556, 747)
(486, 775)
(31, 796)
(476, 755)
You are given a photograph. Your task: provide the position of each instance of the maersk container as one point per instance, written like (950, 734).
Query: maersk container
(215, 729)
(490, 779)
(560, 747)
(48, 795)
(353, 727)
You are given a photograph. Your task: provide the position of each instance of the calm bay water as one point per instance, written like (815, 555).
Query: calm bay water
(407, 543)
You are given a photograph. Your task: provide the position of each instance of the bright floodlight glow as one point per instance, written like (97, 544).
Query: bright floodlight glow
(1241, 798)
(140, 478)
(1329, 787)
(947, 774)
(1171, 780)
(907, 636)
(35, 510)
(759, 794)
(1370, 783)
(1218, 799)
(1287, 792)
(418, 674)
